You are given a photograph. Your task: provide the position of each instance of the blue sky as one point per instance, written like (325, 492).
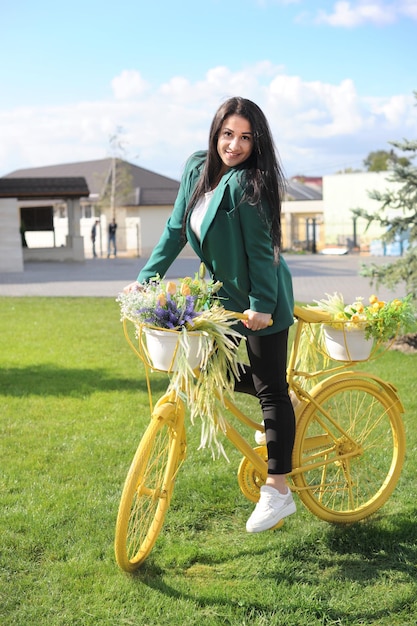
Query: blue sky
(335, 79)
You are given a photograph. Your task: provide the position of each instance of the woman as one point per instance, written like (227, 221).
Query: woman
(228, 208)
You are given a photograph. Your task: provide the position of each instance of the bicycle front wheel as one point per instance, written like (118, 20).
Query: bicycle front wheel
(349, 449)
(149, 485)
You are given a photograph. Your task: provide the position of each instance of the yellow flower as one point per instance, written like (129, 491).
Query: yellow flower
(379, 304)
(171, 288)
(161, 299)
(185, 290)
(339, 316)
(381, 320)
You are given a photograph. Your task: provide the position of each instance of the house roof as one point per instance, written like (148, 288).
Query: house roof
(148, 187)
(311, 181)
(300, 191)
(43, 188)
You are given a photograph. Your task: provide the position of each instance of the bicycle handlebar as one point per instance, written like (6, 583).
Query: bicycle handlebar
(243, 316)
(306, 315)
(310, 316)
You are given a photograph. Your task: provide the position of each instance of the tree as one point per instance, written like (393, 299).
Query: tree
(382, 160)
(348, 170)
(118, 188)
(398, 216)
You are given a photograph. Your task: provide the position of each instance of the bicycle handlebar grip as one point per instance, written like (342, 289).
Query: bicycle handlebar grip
(242, 316)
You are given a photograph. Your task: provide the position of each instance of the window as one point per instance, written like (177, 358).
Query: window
(37, 218)
(87, 210)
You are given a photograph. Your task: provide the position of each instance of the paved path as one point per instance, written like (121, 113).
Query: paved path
(313, 275)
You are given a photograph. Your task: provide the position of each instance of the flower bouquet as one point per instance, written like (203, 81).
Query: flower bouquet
(355, 328)
(184, 330)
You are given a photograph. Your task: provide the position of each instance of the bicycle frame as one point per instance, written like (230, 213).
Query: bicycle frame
(303, 317)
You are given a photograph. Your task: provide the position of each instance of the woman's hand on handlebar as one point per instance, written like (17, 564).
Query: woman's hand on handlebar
(257, 321)
(132, 287)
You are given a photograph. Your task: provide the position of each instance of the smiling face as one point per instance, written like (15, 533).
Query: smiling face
(235, 142)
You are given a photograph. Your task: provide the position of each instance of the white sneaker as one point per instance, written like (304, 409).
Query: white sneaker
(272, 507)
(260, 437)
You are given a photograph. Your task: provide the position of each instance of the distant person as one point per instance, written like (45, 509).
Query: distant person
(112, 237)
(94, 235)
(23, 234)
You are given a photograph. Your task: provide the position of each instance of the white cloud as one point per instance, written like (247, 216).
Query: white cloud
(393, 111)
(128, 84)
(378, 12)
(315, 109)
(408, 8)
(318, 127)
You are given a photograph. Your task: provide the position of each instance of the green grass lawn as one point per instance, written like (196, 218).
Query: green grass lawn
(73, 407)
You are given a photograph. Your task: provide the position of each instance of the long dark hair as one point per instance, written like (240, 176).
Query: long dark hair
(262, 176)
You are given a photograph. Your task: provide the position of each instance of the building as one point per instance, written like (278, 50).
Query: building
(302, 213)
(317, 212)
(344, 192)
(40, 191)
(142, 202)
(139, 199)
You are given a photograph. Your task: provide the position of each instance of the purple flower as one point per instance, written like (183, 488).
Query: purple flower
(171, 315)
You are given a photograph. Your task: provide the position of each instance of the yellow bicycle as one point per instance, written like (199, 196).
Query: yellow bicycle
(348, 452)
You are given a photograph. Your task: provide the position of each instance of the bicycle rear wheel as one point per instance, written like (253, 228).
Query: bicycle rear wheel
(350, 449)
(149, 485)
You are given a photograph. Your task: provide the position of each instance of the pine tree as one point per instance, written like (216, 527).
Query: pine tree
(397, 215)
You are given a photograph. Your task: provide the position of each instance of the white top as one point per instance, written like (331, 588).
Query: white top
(199, 213)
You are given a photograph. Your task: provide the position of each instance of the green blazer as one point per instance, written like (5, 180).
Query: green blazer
(235, 246)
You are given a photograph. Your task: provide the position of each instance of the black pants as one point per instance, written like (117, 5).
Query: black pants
(266, 378)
